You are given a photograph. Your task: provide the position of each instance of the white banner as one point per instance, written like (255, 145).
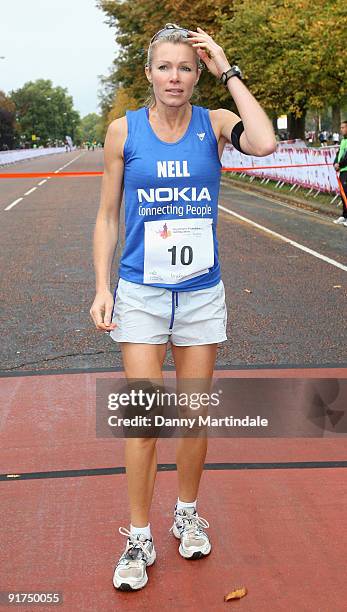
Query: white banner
(320, 177)
(11, 157)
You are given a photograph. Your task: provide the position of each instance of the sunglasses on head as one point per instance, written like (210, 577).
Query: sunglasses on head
(168, 30)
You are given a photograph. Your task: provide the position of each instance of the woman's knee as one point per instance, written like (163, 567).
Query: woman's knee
(143, 361)
(143, 444)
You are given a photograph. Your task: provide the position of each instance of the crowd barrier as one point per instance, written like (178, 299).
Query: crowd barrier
(300, 166)
(11, 157)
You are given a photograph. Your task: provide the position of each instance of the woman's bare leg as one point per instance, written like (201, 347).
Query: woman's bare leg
(141, 361)
(192, 362)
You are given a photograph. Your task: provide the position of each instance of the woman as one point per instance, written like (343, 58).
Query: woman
(167, 157)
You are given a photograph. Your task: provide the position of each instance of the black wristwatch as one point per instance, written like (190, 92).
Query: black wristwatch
(233, 71)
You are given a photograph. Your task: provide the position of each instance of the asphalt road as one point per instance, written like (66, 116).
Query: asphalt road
(286, 300)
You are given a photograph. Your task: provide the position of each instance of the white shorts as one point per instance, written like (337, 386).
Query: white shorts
(152, 315)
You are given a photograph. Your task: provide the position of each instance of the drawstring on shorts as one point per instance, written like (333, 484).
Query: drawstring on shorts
(174, 299)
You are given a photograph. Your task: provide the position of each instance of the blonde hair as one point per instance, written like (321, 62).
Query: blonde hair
(174, 37)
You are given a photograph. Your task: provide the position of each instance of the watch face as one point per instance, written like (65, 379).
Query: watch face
(237, 70)
(233, 71)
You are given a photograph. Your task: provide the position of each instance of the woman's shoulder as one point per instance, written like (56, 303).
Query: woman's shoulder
(131, 116)
(216, 119)
(117, 133)
(220, 114)
(217, 115)
(119, 128)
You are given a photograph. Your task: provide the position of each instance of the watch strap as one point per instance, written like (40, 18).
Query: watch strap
(228, 74)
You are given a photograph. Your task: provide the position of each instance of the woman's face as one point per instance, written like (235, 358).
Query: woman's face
(174, 73)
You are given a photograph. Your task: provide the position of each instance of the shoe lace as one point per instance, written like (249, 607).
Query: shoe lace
(135, 544)
(192, 522)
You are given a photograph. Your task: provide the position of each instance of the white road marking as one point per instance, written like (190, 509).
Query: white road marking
(276, 199)
(42, 182)
(74, 159)
(13, 204)
(337, 264)
(68, 163)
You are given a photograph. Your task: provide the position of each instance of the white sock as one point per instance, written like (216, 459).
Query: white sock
(182, 504)
(146, 531)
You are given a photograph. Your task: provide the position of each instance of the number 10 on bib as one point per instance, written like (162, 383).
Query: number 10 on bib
(177, 250)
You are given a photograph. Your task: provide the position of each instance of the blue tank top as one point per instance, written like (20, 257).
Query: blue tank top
(169, 181)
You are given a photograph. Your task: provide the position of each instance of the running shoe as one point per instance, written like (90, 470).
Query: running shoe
(340, 220)
(130, 572)
(188, 527)
(345, 223)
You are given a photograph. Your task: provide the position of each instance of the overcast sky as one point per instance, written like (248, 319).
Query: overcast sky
(66, 41)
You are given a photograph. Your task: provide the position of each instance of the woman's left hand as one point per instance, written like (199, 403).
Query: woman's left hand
(215, 60)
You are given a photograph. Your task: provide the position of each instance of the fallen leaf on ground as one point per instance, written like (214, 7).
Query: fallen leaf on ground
(236, 594)
(248, 290)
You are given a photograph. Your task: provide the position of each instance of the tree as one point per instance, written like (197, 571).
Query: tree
(136, 21)
(122, 102)
(292, 52)
(7, 122)
(45, 111)
(91, 128)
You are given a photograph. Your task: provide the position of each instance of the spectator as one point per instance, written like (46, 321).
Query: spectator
(322, 139)
(310, 137)
(336, 138)
(340, 165)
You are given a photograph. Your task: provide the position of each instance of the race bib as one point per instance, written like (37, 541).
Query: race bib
(177, 250)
